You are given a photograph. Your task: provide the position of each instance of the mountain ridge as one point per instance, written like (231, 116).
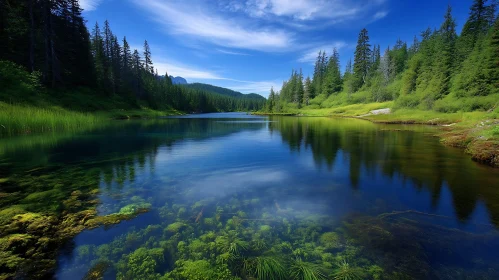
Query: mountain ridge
(222, 91)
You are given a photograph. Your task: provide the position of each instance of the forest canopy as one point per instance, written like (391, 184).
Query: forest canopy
(50, 40)
(440, 70)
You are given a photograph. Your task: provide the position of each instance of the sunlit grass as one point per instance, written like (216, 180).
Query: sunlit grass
(18, 119)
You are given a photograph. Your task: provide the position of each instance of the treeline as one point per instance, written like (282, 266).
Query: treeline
(50, 39)
(440, 70)
(240, 101)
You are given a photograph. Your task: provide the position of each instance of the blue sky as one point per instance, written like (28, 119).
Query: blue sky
(252, 45)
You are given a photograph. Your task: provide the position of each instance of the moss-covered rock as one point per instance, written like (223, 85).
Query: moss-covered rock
(33, 223)
(7, 214)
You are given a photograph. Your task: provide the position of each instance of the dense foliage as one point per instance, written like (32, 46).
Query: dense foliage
(441, 70)
(50, 39)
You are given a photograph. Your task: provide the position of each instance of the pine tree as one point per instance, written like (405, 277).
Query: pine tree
(307, 91)
(398, 57)
(147, 58)
(299, 88)
(446, 59)
(332, 80)
(362, 59)
(126, 59)
(271, 100)
(492, 59)
(319, 72)
(349, 79)
(98, 54)
(137, 71)
(385, 67)
(481, 18)
(414, 47)
(107, 39)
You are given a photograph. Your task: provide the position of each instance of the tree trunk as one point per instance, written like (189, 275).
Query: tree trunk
(47, 41)
(31, 37)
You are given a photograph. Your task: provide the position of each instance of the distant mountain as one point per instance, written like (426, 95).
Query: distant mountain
(222, 91)
(178, 80)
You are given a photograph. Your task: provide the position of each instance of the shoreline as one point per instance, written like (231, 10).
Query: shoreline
(466, 135)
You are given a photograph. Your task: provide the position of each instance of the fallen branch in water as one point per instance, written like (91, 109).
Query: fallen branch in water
(382, 216)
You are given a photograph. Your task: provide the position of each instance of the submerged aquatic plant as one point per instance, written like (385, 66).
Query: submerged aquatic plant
(237, 247)
(330, 240)
(134, 208)
(141, 264)
(175, 227)
(301, 270)
(347, 272)
(269, 268)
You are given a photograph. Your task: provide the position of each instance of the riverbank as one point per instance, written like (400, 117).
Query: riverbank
(475, 132)
(27, 119)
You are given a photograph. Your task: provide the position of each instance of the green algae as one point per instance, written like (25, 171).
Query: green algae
(135, 208)
(52, 208)
(330, 240)
(175, 227)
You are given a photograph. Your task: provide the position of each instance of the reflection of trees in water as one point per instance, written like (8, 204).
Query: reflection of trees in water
(53, 181)
(408, 154)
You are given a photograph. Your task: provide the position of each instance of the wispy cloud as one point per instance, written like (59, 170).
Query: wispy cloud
(89, 5)
(179, 18)
(185, 71)
(380, 15)
(260, 87)
(194, 74)
(303, 10)
(311, 55)
(231, 52)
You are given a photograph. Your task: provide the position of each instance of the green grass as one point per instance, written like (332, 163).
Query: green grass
(27, 119)
(26, 107)
(18, 119)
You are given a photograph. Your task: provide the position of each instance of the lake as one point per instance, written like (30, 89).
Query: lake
(235, 196)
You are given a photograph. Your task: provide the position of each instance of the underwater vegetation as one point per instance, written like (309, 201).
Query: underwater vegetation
(226, 242)
(42, 209)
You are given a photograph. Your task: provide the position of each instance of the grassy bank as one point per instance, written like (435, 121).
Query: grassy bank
(477, 132)
(27, 119)
(27, 107)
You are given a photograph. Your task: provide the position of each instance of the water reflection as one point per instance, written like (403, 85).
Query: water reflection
(399, 153)
(393, 196)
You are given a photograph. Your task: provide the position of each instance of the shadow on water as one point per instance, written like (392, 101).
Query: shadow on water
(225, 196)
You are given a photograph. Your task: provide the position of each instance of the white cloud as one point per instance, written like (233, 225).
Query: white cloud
(231, 52)
(193, 74)
(89, 5)
(311, 55)
(185, 71)
(380, 15)
(260, 87)
(179, 18)
(338, 10)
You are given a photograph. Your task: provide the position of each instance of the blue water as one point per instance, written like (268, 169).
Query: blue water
(395, 197)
